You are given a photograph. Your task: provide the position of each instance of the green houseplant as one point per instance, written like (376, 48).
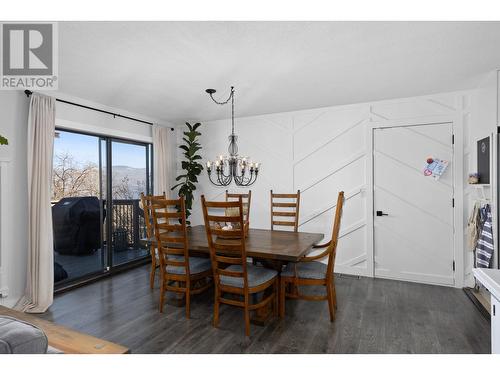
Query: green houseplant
(3, 141)
(191, 166)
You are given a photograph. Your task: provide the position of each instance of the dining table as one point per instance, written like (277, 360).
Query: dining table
(271, 248)
(277, 246)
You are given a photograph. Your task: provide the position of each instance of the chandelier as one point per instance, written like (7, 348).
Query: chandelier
(231, 167)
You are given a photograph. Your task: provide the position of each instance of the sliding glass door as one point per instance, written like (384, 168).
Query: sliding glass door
(97, 217)
(77, 206)
(129, 177)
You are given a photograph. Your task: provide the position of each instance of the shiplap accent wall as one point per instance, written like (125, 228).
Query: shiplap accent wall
(320, 151)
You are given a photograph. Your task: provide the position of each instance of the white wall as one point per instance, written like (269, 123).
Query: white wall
(483, 124)
(13, 164)
(13, 193)
(322, 151)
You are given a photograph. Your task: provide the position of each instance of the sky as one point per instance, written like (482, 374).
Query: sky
(85, 148)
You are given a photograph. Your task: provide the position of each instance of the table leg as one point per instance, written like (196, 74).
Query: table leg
(176, 299)
(262, 315)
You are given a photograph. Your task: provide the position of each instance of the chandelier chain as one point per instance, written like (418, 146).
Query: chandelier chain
(228, 99)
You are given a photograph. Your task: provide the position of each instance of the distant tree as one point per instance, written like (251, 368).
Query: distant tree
(121, 189)
(73, 179)
(125, 189)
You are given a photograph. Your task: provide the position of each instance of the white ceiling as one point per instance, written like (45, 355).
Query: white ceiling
(161, 69)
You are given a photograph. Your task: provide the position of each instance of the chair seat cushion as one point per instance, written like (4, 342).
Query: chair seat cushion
(196, 265)
(256, 276)
(306, 270)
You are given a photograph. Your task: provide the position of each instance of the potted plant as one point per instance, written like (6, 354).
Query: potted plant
(191, 166)
(3, 141)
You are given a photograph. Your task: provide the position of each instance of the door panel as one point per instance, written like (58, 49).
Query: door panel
(414, 241)
(77, 191)
(129, 177)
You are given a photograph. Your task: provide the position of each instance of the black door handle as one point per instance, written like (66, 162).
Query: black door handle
(381, 213)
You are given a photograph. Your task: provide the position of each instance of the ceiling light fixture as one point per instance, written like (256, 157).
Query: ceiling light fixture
(231, 167)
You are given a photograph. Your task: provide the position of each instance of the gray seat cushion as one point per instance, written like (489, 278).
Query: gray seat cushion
(256, 276)
(306, 270)
(18, 337)
(196, 265)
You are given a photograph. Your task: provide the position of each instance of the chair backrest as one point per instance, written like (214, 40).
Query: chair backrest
(169, 218)
(287, 206)
(332, 248)
(246, 199)
(226, 246)
(147, 207)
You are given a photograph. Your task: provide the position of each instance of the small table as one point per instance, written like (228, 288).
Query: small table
(274, 247)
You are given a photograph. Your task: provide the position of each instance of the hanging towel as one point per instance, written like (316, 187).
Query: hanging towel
(473, 227)
(484, 248)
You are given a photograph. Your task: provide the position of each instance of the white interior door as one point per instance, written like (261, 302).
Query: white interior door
(413, 240)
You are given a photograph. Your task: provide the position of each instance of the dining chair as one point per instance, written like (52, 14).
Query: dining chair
(148, 219)
(308, 271)
(246, 199)
(179, 272)
(288, 208)
(233, 276)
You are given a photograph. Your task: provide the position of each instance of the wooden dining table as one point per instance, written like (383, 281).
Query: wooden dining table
(276, 246)
(273, 248)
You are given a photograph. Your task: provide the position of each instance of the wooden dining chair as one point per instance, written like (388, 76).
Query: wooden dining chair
(179, 272)
(285, 206)
(246, 199)
(148, 219)
(233, 276)
(308, 271)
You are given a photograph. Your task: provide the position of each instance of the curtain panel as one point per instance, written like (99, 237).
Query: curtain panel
(161, 160)
(40, 273)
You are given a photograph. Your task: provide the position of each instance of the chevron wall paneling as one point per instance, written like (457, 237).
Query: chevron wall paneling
(319, 151)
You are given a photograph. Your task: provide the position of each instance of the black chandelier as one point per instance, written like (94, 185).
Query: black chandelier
(232, 166)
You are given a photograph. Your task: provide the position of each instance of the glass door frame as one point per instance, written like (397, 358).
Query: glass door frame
(106, 235)
(109, 195)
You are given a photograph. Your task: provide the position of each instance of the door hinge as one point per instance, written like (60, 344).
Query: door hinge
(453, 266)
(452, 202)
(494, 312)
(453, 139)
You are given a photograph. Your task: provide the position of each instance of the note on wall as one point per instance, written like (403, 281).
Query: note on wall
(435, 168)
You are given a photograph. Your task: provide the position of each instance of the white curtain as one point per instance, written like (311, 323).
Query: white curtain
(40, 275)
(161, 160)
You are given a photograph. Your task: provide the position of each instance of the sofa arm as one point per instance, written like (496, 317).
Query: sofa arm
(18, 337)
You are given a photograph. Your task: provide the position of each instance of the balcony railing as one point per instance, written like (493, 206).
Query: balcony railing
(128, 222)
(128, 217)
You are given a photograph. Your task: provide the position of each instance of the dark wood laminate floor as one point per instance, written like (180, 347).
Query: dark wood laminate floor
(374, 316)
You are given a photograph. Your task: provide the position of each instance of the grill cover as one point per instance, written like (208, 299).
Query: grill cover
(77, 228)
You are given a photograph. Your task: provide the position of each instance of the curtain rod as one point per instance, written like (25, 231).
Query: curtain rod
(28, 94)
